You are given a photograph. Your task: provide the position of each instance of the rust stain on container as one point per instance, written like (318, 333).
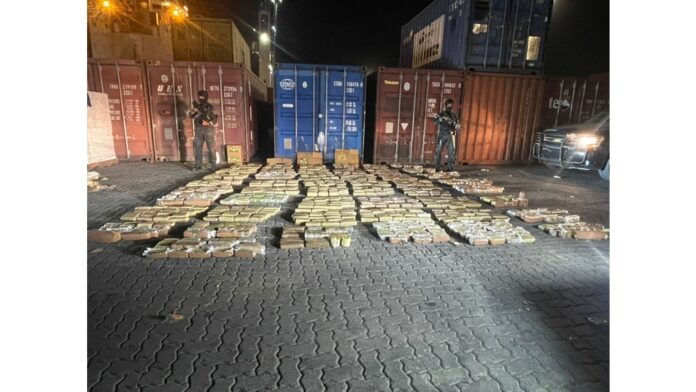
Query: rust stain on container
(499, 115)
(124, 83)
(406, 101)
(231, 89)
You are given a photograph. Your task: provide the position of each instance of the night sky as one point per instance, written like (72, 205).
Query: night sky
(367, 32)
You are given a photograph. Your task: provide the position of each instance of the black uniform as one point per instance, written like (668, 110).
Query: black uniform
(203, 111)
(447, 124)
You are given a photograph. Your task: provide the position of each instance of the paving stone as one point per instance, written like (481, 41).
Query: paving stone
(403, 317)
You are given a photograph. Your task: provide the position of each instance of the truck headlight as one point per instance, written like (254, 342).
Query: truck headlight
(584, 141)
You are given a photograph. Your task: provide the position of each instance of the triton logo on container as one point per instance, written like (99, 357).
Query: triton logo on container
(287, 84)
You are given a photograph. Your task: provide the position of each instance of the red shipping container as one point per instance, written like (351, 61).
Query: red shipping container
(500, 115)
(406, 101)
(571, 100)
(231, 90)
(124, 83)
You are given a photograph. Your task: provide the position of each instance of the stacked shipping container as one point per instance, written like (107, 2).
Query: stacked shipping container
(211, 40)
(492, 35)
(147, 124)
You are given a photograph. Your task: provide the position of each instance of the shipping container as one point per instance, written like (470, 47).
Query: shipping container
(318, 108)
(500, 115)
(490, 35)
(134, 42)
(406, 102)
(211, 40)
(571, 100)
(231, 92)
(124, 82)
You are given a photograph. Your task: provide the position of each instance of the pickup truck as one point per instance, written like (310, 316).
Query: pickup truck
(583, 146)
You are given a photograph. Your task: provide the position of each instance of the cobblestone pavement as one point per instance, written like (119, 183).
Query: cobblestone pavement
(372, 317)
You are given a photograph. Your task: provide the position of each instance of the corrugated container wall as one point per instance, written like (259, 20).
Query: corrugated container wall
(569, 100)
(146, 124)
(499, 116)
(125, 84)
(318, 108)
(230, 92)
(406, 102)
(210, 39)
(490, 35)
(152, 43)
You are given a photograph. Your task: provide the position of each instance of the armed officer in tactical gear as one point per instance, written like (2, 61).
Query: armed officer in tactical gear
(204, 119)
(447, 123)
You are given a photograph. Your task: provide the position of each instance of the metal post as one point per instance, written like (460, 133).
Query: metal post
(176, 115)
(150, 110)
(398, 118)
(442, 101)
(558, 108)
(190, 71)
(205, 43)
(594, 101)
(364, 98)
(101, 78)
(314, 106)
(247, 128)
(188, 46)
(123, 116)
(222, 106)
(413, 118)
(582, 100)
(502, 35)
(425, 118)
(572, 102)
(343, 128)
(296, 122)
(488, 35)
(326, 114)
(526, 41)
(514, 31)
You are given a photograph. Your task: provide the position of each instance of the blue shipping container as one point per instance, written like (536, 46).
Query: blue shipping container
(318, 108)
(490, 35)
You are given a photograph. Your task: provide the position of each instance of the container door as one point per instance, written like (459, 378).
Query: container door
(397, 103)
(296, 94)
(124, 84)
(528, 33)
(501, 115)
(173, 129)
(236, 110)
(439, 86)
(211, 81)
(486, 35)
(354, 112)
(340, 108)
(594, 98)
(231, 109)
(250, 114)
